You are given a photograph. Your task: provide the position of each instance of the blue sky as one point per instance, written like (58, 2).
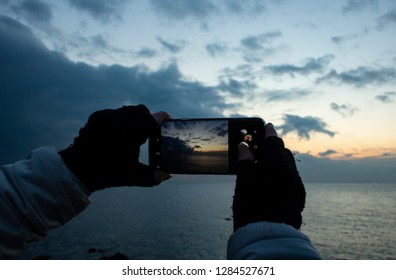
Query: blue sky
(322, 71)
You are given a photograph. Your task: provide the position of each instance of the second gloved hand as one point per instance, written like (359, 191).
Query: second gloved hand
(270, 189)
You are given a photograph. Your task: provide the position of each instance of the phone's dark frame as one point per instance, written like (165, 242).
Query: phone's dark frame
(234, 127)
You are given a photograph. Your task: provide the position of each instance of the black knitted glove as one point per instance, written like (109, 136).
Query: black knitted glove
(269, 190)
(106, 151)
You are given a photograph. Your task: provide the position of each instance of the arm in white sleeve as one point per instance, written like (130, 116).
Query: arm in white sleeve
(270, 241)
(36, 194)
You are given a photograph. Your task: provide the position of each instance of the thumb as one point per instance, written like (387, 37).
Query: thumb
(160, 176)
(244, 152)
(161, 116)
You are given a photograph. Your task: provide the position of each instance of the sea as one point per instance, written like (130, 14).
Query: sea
(189, 218)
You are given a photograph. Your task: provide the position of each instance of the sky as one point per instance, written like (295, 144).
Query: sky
(323, 72)
(199, 136)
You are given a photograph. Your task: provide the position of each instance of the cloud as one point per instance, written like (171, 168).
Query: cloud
(359, 5)
(249, 7)
(235, 87)
(173, 48)
(386, 19)
(311, 65)
(146, 52)
(361, 76)
(104, 11)
(245, 70)
(216, 49)
(304, 126)
(327, 153)
(39, 13)
(99, 42)
(177, 144)
(196, 135)
(256, 47)
(46, 98)
(306, 24)
(386, 97)
(220, 130)
(91, 47)
(34, 11)
(259, 42)
(204, 9)
(341, 40)
(181, 9)
(344, 110)
(365, 170)
(286, 95)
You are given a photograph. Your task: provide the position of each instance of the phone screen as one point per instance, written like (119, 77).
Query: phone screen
(203, 146)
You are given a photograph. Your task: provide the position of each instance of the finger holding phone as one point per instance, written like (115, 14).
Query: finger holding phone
(106, 151)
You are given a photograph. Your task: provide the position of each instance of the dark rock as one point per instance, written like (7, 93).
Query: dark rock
(116, 256)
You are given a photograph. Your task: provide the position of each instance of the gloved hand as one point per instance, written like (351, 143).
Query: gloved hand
(106, 151)
(270, 189)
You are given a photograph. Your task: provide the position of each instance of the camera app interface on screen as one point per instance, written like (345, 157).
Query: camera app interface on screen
(195, 146)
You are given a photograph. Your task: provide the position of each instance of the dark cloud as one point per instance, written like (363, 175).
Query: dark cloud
(89, 48)
(243, 70)
(34, 11)
(96, 45)
(99, 42)
(344, 110)
(146, 52)
(286, 95)
(311, 65)
(341, 40)
(235, 87)
(104, 11)
(46, 98)
(38, 13)
(216, 49)
(365, 170)
(173, 48)
(338, 40)
(178, 145)
(387, 154)
(304, 126)
(327, 153)
(361, 76)
(386, 97)
(387, 19)
(256, 47)
(260, 41)
(359, 5)
(204, 9)
(181, 9)
(249, 7)
(220, 130)
(306, 24)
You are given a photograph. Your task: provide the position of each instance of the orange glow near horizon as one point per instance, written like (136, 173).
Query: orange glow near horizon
(338, 149)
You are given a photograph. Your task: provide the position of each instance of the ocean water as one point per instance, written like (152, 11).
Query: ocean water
(189, 217)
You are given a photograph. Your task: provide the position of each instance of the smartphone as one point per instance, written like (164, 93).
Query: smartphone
(204, 146)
